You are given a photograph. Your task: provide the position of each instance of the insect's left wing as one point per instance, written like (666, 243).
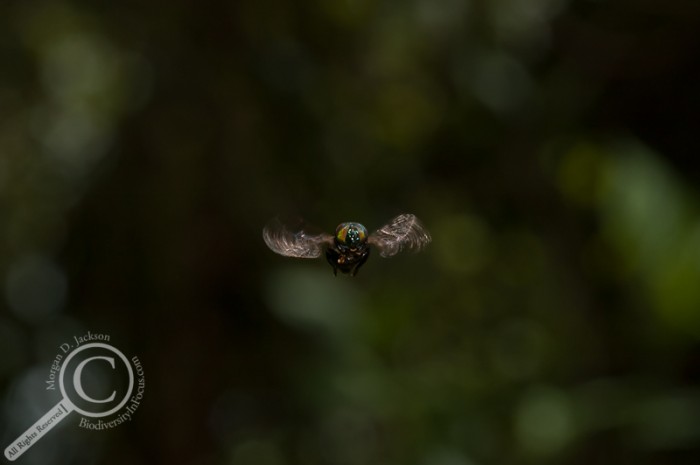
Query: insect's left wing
(299, 244)
(404, 232)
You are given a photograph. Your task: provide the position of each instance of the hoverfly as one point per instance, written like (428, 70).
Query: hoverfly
(349, 248)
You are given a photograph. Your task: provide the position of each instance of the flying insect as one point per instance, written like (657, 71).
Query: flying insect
(350, 247)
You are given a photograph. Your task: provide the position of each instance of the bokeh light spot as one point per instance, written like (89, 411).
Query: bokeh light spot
(256, 452)
(312, 299)
(501, 83)
(35, 288)
(462, 243)
(579, 174)
(544, 422)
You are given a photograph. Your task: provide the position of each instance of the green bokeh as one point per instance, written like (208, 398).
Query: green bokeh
(555, 318)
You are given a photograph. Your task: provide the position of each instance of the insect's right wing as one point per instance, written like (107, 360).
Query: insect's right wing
(300, 244)
(404, 232)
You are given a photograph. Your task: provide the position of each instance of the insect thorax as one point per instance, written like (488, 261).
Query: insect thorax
(347, 260)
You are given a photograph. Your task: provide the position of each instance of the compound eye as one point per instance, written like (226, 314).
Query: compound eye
(342, 233)
(351, 234)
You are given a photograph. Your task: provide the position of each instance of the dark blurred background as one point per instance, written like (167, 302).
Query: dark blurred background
(548, 145)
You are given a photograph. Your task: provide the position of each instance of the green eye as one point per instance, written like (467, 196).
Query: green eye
(342, 234)
(351, 234)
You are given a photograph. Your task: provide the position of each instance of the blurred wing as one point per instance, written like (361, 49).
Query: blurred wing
(298, 244)
(403, 233)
